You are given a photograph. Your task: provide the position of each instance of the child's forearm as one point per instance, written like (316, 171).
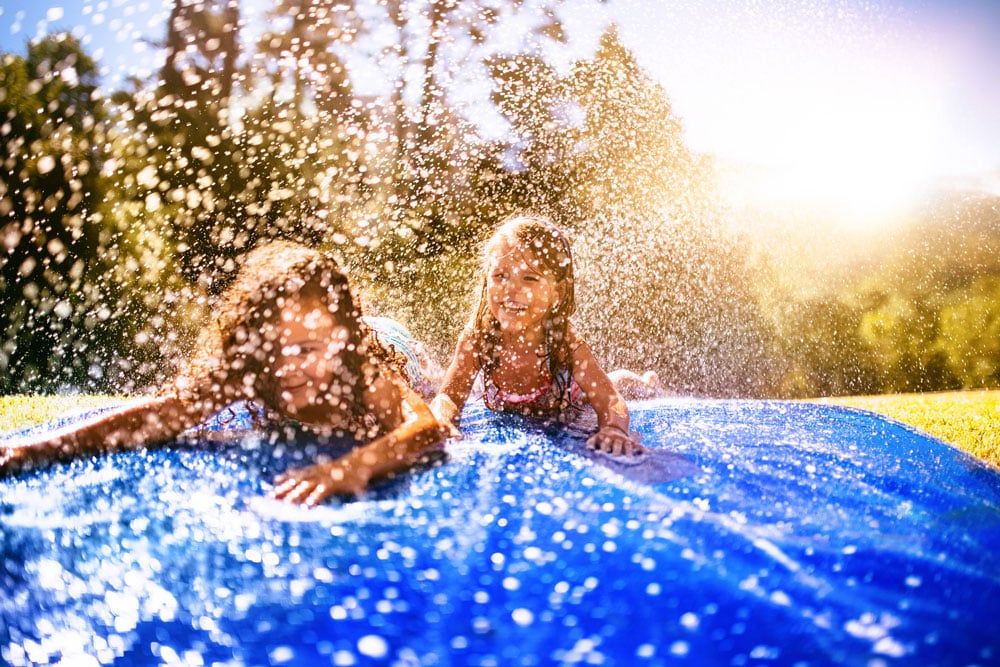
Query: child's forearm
(144, 422)
(351, 473)
(614, 419)
(394, 451)
(458, 381)
(611, 409)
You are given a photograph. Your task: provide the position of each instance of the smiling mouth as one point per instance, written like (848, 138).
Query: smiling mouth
(515, 307)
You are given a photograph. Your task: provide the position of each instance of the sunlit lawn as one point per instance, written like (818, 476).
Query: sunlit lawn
(17, 412)
(970, 420)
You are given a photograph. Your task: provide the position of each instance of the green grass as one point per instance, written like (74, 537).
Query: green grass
(21, 411)
(969, 420)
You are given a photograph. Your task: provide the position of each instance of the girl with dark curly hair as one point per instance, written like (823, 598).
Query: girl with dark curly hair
(287, 337)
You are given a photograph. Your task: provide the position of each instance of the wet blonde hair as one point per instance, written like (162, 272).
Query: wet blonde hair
(550, 246)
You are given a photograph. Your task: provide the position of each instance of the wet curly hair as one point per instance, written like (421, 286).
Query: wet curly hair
(236, 352)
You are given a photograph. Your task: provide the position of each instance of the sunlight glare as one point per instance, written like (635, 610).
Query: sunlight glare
(862, 154)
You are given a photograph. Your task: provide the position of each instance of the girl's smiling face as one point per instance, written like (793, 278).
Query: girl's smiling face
(308, 368)
(520, 291)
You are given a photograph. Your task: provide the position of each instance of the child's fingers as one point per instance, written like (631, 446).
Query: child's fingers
(290, 490)
(615, 443)
(450, 430)
(318, 495)
(13, 461)
(310, 488)
(635, 449)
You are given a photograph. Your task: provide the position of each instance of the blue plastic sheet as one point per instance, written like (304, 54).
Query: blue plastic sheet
(755, 533)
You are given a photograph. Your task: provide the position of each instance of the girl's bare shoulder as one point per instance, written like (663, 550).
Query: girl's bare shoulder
(573, 338)
(470, 340)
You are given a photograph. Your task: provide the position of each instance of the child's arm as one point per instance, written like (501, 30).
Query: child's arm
(143, 422)
(612, 413)
(458, 380)
(414, 431)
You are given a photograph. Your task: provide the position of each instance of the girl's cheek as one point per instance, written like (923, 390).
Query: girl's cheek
(313, 369)
(282, 370)
(321, 368)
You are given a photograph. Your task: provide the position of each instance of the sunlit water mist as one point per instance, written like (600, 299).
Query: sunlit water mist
(753, 531)
(134, 200)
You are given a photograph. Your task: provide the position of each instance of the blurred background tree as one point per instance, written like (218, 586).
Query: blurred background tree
(55, 282)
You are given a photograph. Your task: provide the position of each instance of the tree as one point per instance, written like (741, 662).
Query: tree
(533, 167)
(969, 333)
(601, 152)
(193, 178)
(53, 277)
(925, 309)
(631, 144)
(822, 353)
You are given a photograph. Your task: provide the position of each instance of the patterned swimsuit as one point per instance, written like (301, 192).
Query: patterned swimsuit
(543, 402)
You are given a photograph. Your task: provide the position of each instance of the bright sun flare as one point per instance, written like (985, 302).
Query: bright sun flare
(834, 120)
(861, 159)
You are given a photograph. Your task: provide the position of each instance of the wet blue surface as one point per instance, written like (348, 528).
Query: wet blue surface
(785, 533)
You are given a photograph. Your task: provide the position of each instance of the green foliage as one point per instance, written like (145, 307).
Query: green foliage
(122, 217)
(54, 278)
(820, 351)
(191, 178)
(969, 333)
(922, 319)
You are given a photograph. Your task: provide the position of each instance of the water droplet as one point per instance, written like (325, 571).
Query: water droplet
(373, 646)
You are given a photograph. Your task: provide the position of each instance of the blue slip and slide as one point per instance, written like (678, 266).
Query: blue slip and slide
(753, 533)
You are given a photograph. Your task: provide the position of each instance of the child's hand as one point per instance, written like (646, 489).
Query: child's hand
(312, 485)
(449, 430)
(13, 461)
(7, 466)
(613, 440)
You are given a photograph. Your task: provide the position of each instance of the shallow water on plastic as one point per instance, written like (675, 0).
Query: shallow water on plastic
(801, 534)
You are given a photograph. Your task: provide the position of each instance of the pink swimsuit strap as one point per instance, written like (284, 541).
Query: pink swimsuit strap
(512, 398)
(540, 400)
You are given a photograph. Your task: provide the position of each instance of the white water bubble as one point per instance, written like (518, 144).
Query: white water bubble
(343, 659)
(690, 621)
(373, 646)
(523, 617)
(281, 654)
(645, 651)
(46, 163)
(680, 649)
